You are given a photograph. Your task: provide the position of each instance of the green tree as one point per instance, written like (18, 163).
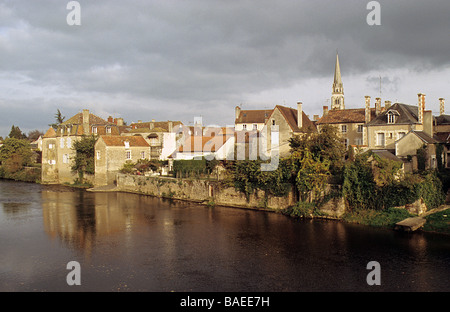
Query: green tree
(84, 161)
(16, 133)
(19, 147)
(324, 146)
(59, 118)
(310, 175)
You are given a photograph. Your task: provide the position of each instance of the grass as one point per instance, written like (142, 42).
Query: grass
(438, 222)
(377, 218)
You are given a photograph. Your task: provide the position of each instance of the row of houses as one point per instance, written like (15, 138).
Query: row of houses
(395, 131)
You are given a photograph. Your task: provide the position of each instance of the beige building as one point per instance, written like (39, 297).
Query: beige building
(160, 135)
(112, 152)
(250, 120)
(57, 145)
(285, 122)
(395, 122)
(406, 149)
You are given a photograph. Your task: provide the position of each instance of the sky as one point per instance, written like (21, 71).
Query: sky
(178, 60)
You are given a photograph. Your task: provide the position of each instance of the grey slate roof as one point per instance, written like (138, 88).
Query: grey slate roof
(407, 114)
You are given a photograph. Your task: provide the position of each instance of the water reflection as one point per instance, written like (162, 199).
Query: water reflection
(135, 242)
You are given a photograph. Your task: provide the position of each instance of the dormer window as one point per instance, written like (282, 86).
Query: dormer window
(392, 116)
(127, 144)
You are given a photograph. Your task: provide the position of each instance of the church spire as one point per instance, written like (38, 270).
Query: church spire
(337, 97)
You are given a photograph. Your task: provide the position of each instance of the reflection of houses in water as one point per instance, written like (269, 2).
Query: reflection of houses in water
(78, 217)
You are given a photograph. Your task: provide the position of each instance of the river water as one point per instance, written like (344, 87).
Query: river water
(129, 242)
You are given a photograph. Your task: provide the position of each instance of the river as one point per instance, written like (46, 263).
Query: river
(129, 242)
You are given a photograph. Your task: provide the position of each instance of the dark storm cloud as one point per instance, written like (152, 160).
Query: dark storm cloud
(193, 56)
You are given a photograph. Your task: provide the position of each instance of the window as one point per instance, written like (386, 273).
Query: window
(98, 154)
(65, 158)
(61, 142)
(108, 129)
(51, 145)
(345, 143)
(344, 128)
(380, 139)
(391, 118)
(143, 155)
(51, 162)
(128, 153)
(244, 126)
(69, 142)
(94, 130)
(255, 126)
(127, 144)
(273, 122)
(360, 128)
(401, 135)
(358, 141)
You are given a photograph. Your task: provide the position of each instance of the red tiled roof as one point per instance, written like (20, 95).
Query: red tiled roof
(353, 115)
(207, 143)
(254, 116)
(290, 115)
(50, 133)
(117, 140)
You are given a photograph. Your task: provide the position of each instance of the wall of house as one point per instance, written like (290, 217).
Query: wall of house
(49, 173)
(249, 126)
(285, 133)
(112, 159)
(391, 134)
(65, 157)
(352, 135)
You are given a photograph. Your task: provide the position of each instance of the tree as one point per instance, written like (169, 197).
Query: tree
(323, 146)
(59, 119)
(310, 175)
(19, 147)
(34, 135)
(84, 162)
(16, 133)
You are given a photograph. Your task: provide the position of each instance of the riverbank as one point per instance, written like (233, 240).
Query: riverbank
(213, 193)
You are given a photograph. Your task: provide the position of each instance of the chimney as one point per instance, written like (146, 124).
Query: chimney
(299, 115)
(387, 104)
(85, 115)
(428, 122)
(367, 109)
(325, 110)
(316, 117)
(110, 119)
(119, 121)
(139, 121)
(442, 106)
(237, 112)
(170, 126)
(377, 106)
(421, 107)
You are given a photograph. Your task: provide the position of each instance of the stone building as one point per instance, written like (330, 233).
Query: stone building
(160, 135)
(288, 122)
(396, 121)
(112, 152)
(57, 145)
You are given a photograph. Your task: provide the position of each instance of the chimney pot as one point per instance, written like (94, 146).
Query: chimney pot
(325, 110)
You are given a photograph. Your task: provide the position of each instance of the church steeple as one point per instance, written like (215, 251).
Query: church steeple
(337, 97)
